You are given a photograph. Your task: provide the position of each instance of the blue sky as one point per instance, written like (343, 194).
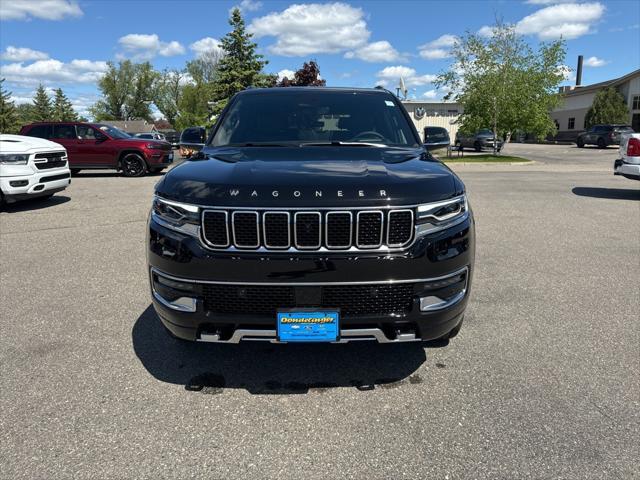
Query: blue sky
(64, 43)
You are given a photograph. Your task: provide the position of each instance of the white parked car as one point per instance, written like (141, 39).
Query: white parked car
(31, 167)
(628, 165)
(151, 136)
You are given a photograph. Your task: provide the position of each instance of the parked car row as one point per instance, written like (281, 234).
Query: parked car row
(603, 135)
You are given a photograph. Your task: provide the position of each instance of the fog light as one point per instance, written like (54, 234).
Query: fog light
(432, 303)
(19, 183)
(181, 296)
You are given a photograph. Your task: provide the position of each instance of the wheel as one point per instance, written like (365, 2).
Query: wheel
(133, 165)
(601, 143)
(477, 146)
(580, 143)
(74, 171)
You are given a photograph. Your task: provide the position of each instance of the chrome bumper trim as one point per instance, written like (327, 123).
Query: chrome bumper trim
(312, 284)
(346, 336)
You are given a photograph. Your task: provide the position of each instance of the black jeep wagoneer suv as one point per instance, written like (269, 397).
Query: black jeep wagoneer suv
(311, 215)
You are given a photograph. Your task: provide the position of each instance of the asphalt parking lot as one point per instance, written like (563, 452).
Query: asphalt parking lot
(542, 381)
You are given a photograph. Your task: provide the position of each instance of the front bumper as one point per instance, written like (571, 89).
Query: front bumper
(627, 170)
(158, 158)
(44, 182)
(431, 262)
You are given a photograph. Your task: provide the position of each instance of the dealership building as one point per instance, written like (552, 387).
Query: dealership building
(434, 114)
(570, 116)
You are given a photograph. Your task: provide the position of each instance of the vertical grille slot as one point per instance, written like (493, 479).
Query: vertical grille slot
(246, 230)
(369, 229)
(276, 230)
(307, 230)
(399, 228)
(338, 230)
(215, 228)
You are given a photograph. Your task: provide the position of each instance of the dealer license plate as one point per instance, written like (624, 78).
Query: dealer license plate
(308, 325)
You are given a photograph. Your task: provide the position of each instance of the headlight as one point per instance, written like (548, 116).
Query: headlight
(14, 159)
(433, 217)
(181, 217)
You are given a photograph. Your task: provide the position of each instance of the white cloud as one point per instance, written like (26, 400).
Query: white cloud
(438, 48)
(595, 62)
(286, 73)
(53, 71)
(44, 9)
(205, 45)
(486, 31)
(570, 21)
(21, 54)
(302, 30)
(247, 6)
(391, 76)
(548, 2)
(381, 51)
(145, 47)
(430, 94)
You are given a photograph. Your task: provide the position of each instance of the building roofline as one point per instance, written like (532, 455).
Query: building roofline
(595, 86)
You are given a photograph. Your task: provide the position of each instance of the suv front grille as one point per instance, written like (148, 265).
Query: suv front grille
(307, 230)
(352, 300)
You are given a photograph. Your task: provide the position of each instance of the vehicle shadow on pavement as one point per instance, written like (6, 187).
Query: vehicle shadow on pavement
(35, 204)
(264, 368)
(610, 193)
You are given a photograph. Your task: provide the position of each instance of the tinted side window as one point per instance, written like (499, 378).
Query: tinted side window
(67, 132)
(40, 131)
(86, 132)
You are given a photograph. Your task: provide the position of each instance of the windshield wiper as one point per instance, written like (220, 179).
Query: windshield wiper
(342, 144)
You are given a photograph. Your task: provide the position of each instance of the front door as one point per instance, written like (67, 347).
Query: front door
(94, 148)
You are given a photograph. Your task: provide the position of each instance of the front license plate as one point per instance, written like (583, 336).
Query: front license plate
(308, 325)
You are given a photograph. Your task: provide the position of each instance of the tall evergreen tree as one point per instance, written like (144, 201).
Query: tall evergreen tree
(8, 113)
(62, 109)
(608, 107)
(241, 66)
(42, 105)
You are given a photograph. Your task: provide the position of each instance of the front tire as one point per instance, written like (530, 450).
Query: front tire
(477, 146)
(133, 165)
(580, 143)
(601, 143)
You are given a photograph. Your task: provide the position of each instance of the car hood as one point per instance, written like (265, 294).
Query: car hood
(310, 177)
(24, 144)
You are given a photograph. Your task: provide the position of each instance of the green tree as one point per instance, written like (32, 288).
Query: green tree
(167, 93)
(241, 66)
(42, 110)
(25, 113)
(62, 108)
(503, 83)
(307, 76)
(608, 107)
(127, 90)
(8, 113)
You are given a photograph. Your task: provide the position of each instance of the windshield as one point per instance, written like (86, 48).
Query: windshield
(316, 117)
(485, 131)
(113, 132)
(193, 135)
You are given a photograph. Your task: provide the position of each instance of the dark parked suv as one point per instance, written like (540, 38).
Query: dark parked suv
(96, 145)
(311, 215)
(603, 135)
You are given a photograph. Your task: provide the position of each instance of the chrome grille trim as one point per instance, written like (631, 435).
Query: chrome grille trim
(233, 228)
(326, 230)
(322, 246)
(373, 245)
(295, 231)
(226, 225)
(413, 223)
(264, 229)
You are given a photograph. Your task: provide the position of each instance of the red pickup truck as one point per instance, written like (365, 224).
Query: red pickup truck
(97, 145)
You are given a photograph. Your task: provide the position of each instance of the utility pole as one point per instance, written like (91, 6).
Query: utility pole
(495, 126)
